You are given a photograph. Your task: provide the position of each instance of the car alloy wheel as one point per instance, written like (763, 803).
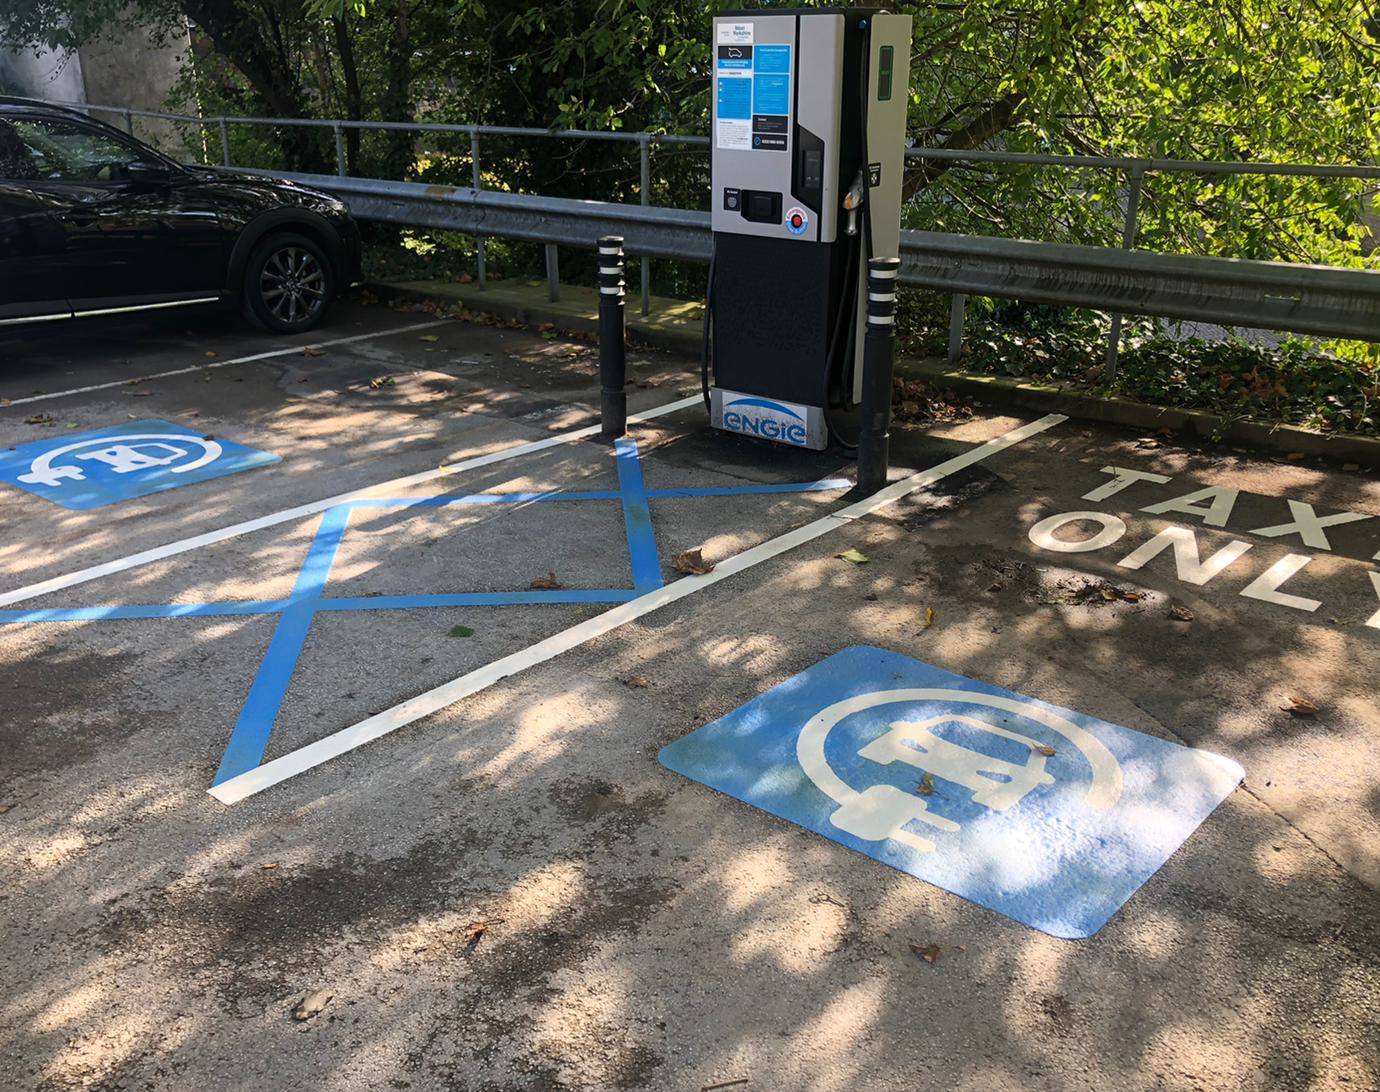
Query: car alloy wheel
(292, 285)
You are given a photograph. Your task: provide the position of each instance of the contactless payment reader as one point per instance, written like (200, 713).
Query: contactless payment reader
(808, 134)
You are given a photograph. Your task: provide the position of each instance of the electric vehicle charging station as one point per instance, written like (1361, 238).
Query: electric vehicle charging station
(808, 131)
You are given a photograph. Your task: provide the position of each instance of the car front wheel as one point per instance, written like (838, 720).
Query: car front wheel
(287, 283)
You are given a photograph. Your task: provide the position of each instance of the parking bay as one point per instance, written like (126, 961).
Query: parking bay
(539, 801)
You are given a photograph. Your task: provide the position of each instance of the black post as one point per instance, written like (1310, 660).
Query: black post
(613, 361)
(879, 358)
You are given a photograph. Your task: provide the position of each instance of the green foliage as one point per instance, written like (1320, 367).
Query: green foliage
(1292, 382)
(1286, 80)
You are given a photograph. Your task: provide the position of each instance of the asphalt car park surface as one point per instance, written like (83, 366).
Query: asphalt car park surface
(641, 930)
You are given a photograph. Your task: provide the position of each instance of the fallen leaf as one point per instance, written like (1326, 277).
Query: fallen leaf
(460, 631)
(1180, 614)
(1301, 707)
(1044, 749)
(692, 562)
(926, 786)
(269, 865)
(7, 807)
(853, 557)
(928, 952)
(546, 583)
(312, 1004)
(473, 931)
(429, 337)
(637, 682)
(39, 419)
(210, 353)
(1110, 594)
(312, 350)
(380, 381)
(1131, 596)
(929, 619)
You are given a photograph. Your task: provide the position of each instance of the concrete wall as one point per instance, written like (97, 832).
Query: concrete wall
(50, 76)
(120, 69)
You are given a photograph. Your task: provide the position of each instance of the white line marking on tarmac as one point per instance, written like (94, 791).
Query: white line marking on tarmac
(222, 363)
(158, 553)
(404, 713)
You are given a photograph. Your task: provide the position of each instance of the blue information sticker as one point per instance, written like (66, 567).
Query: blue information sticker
(92, 469)
(771, 80)
(1051, 817)
(734, 98)
(773, 58)
(771, 94)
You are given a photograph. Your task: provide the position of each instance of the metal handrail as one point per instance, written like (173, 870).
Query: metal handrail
(1159, 166)
(964, 155)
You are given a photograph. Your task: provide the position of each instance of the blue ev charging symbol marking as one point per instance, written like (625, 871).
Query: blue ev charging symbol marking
(1048, 816)
(115, 464)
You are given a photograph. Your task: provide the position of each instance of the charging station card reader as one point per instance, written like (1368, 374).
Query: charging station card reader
(808, 134)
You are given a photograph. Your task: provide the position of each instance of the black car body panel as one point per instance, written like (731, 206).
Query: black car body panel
(109, 224)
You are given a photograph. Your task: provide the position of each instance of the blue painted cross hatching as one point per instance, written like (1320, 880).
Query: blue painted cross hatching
(249, 738)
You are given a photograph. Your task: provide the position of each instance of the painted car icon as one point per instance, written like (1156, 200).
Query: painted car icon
(996, 783)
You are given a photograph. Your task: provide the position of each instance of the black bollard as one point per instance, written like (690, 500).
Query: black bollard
(613, 359)
(879, 359)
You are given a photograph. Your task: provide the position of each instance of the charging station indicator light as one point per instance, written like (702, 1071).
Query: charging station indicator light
(884, 73)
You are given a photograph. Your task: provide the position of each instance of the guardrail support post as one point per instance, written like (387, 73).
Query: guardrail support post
(477, 179)
(958, 307)
(339, 150)
(613, 359)
(129, 122)
(1135, 179)
(553, 273)
(879, 359)
(644, 156)
(225, 141)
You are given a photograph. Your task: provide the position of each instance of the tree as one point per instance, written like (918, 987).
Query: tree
(1290, 80)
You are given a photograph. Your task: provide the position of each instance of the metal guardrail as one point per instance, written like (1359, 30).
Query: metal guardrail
(1320, 300)
(338, 126)
(1311, 299)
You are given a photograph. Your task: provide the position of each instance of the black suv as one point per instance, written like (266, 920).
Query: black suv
(93, 222)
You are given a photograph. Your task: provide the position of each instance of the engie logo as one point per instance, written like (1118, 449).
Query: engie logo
(764, 418)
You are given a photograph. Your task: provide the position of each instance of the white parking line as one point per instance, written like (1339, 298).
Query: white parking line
(221, 363)
(390, 720)
(157, 553)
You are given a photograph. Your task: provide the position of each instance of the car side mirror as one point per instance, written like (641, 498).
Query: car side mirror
(144, 173)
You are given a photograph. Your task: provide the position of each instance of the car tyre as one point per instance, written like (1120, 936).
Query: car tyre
(288, 282)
